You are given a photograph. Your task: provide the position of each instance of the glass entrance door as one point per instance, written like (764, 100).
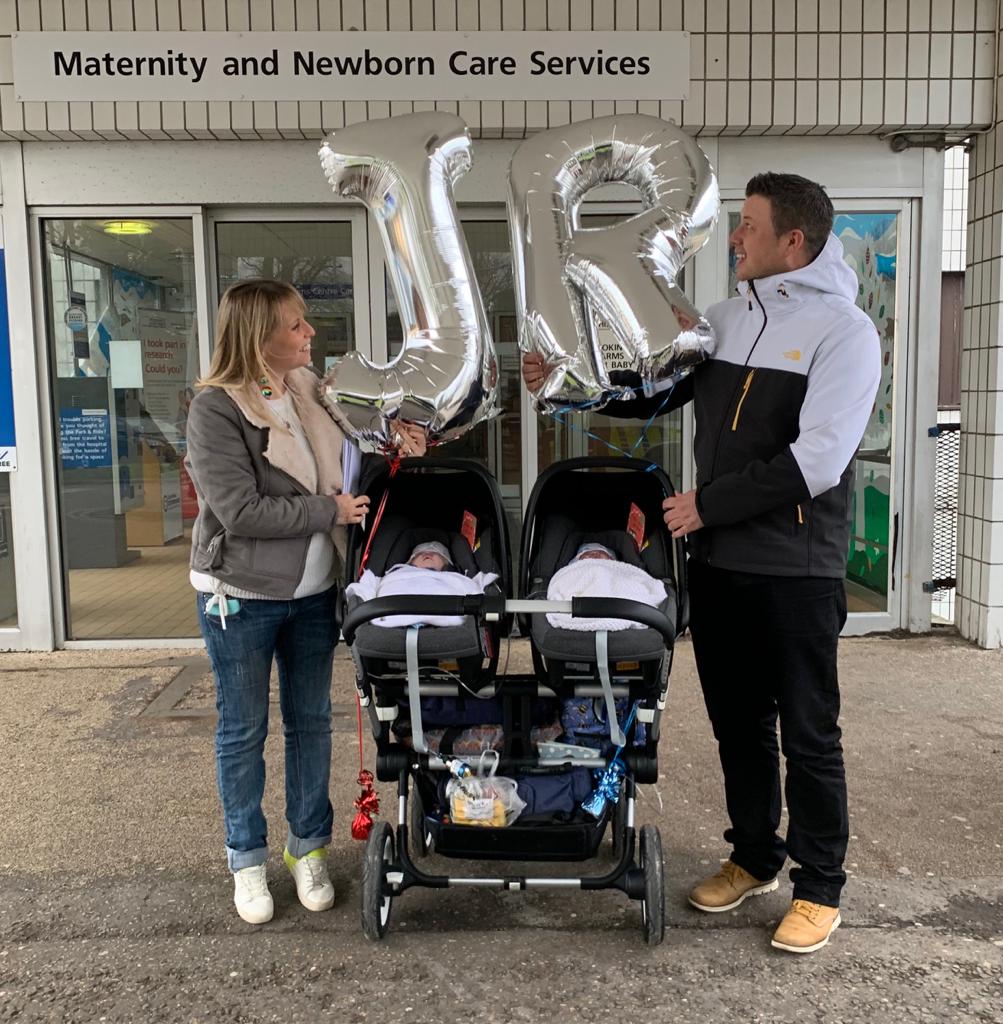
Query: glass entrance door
(126, 306)
(121, 300)
(875, 234)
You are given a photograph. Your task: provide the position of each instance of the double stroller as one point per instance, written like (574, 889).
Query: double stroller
(435, 696)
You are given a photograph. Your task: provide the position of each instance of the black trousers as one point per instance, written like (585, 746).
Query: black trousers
(766, 650)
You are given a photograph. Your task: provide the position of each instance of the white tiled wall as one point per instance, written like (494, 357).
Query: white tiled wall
(979, 604)
(955, 208)
(757, 66)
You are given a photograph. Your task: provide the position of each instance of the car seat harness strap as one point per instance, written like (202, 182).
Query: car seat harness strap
(616, 734)
(413, 694)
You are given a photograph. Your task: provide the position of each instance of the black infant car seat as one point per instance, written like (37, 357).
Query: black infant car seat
(394, 542)
(560, 542)
(428, 500)
(590, 499)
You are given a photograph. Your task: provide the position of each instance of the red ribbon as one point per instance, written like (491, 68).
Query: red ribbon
(394, 465)
(367, 804)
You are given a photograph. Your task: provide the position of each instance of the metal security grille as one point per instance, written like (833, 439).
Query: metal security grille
(945, 508)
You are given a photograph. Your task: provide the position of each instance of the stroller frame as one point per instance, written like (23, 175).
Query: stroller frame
(389, 867)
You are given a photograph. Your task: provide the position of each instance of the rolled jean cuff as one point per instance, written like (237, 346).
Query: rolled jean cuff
(301, 847)
(239, 859)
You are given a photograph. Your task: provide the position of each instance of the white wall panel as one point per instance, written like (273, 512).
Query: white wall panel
(145, 15)
(168, 16)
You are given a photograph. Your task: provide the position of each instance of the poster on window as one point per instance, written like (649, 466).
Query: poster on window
(165, 337)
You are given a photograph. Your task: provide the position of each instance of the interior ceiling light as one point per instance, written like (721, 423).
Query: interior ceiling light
(127, 227)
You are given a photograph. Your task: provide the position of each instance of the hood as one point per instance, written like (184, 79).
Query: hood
(827, 274)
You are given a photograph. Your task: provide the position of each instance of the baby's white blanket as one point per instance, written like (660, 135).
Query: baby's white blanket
(599, 577)
(409, 580)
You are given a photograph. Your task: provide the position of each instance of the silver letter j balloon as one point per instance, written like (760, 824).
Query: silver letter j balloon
(445, 378)
(573, 281)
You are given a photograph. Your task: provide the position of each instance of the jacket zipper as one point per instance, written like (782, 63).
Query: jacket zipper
(748, 380)
(745, 391)
(752, 291)
(800, 516)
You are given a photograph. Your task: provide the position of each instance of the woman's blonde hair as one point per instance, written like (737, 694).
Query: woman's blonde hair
(249, 312)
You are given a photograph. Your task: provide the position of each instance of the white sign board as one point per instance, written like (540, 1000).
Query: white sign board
(351, 65)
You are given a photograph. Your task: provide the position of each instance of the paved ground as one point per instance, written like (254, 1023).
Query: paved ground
(115, 901)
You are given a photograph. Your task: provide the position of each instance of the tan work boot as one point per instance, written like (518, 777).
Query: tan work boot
(727, 889)
(806, 927)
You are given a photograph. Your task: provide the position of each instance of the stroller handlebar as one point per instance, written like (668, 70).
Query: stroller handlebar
(464, 604)
(493, 606)
(623, 608)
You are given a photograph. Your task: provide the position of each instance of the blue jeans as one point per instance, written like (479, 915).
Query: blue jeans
(300, 635)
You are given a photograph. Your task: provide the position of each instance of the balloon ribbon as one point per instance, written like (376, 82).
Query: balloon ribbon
(394, 466)
(368, 802)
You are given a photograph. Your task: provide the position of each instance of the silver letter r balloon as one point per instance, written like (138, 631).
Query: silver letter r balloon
(445, 378)
(570, 280)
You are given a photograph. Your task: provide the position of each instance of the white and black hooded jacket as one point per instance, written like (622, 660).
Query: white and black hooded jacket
(780, 409)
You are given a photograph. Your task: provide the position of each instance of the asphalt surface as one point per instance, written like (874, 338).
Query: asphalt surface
(115, 902)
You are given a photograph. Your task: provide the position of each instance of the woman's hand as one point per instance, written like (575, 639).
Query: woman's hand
(351, 509)
(410, 439)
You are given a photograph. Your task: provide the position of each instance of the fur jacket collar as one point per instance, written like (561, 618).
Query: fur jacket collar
(324, 430)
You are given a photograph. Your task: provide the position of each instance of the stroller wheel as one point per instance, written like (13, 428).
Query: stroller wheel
(421, 840)
(653, 867)
(378, 856)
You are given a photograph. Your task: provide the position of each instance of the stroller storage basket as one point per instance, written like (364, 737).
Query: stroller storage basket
(573, 841)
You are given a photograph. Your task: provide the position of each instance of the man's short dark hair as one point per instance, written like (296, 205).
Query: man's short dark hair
(798, 203)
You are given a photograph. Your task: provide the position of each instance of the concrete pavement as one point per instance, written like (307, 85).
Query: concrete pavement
(115, 903)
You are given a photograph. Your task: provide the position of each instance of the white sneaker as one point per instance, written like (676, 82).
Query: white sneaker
(251, 895)
(313, 884)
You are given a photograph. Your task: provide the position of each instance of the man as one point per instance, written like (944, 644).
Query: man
(780, 409)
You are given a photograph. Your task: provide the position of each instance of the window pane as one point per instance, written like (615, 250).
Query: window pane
(8, 595)
(315, 257)
(124, 346)
(496, 444)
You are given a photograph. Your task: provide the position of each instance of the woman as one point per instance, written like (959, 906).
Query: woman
(265, 458)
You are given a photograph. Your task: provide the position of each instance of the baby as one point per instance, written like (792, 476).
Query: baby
(595, 571)
(430, 555)
(423, 574)
(592, 550)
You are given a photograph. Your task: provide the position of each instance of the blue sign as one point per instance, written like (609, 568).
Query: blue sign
(84, 438)
(8, 442)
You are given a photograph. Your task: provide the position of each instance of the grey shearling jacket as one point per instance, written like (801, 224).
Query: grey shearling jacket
(260, 499)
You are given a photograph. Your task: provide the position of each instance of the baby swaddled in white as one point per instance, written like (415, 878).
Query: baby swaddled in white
(423, 574)
(595, 572)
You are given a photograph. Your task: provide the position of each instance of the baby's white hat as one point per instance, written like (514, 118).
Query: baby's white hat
(592, 546)
(432, 547)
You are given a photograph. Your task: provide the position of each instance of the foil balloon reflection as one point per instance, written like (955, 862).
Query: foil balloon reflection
(600, 301)
(445, 378)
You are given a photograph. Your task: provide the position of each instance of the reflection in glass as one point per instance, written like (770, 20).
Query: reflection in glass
(870, 244)
(124, 347)
(314, 257)
(8, 594)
